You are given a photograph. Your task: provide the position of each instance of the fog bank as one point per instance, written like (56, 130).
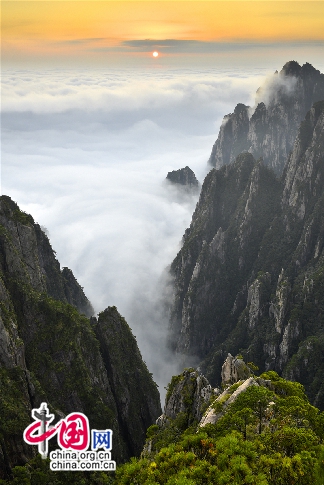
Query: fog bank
(87, 152)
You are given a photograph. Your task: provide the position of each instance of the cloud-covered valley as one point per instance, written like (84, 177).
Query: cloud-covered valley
(87, 152)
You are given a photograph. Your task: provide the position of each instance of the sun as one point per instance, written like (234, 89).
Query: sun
(155, 54)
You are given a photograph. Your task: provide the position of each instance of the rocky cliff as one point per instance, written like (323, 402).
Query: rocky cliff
(269, 129)
(51, 352)
(250, 274)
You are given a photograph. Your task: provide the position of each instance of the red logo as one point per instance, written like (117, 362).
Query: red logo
(73, 431)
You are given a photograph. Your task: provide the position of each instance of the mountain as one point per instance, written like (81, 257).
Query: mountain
(50, 351)
(249, 277)
(248, 282)
(184, 177)
(260, 430)
(269, 130)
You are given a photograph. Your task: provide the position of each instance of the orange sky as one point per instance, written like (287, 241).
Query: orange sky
(35, 29)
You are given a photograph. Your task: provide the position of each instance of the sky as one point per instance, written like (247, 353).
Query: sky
(92, 123)
(123, 33)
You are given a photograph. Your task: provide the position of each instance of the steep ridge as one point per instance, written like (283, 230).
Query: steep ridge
(49, 352)
(29, 257)
(249, 277)
(269, 132)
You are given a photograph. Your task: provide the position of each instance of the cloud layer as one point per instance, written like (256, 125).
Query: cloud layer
(87, 152)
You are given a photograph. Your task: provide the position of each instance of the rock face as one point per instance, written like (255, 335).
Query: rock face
(190, 394)
(235, 208)
(234, 369)
(137, 399)
(212, 415)
(184, 177)
(50, 352)
(269, 130)
(74, 293)
(28, 256)
(187, 393)
(249, 277)
(232, 138)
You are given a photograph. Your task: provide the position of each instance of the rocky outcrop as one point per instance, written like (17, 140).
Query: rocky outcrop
(187, 394)
(257, 299)
(232, 138)
(218, 407)
(190, 394)
(234, 369)
(281, 104)
(184, 178)
(249, 277)
(49, 351)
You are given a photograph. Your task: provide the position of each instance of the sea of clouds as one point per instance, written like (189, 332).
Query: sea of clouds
(87, 152)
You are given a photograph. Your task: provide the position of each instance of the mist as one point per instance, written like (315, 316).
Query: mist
(87, 152)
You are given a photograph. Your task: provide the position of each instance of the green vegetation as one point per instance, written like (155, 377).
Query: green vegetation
(37, 472)
(269, 435)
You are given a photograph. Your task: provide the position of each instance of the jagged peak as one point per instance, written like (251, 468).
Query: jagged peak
(240, 107)
(12, 210)
(184, 176)
(8, 200)
(291, 68)
(259, 110)
(187, 394)
(307, 68)
(288, 95)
